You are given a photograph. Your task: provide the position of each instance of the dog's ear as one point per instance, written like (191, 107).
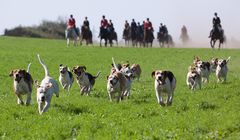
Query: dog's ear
(60, 65)
(73, 69)
(153, 73)
(84, 67)
(112, 65)
(36, 83)
(24, 72)
(107, 77)
(11, 73)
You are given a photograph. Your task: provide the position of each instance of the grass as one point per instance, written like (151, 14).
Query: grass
(210, 113)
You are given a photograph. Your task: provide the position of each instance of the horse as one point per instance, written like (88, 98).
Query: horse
(164, 38)
(86, 34)
(217, 34)
(114, 37)
(72, 32)
(127, 36)
(106, 34)
(139, 37)
(148, 38)
(134, 36)
(184, 37)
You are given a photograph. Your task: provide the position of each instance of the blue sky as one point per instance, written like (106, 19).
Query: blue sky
(196, 15)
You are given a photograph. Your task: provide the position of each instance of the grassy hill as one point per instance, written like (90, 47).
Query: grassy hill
(210, 113)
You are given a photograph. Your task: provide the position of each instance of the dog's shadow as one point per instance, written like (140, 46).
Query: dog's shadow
(72, 109)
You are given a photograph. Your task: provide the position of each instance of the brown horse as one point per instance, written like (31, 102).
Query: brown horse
(148, 38)
(86, 34)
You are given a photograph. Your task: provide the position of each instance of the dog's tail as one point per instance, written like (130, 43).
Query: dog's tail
(28, 68)
(44, 66)
(97, 74)
(228, 59)
(114, 64)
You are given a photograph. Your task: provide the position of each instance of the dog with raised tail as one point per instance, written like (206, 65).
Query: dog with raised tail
(222, 69)
(22, 84)
(118, 82)
(85, 80)
(46, 89)
(66, 77)
(165, 81)
(194, 79)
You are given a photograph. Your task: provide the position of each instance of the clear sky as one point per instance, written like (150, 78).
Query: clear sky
(195, 14)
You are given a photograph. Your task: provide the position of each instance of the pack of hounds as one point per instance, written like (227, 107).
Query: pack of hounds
(118, 81)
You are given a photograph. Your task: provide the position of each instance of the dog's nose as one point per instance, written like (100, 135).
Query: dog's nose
(111, 82)
(159, 77)
(17, 75)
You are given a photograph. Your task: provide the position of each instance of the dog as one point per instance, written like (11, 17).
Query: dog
(118, 82)
(45, 90)
(222, 69)
(203, 68)
(136, 71)
(66, 77)
(22, 84)
(165, 81)
(213, 64)
(194, 79)
(85, 80)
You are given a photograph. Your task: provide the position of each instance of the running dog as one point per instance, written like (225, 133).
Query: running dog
(22, 84)
(66, 77)
(118, 82)
(136, 71)
(85, 80)
(165, 81)
(222, 69)
(194, 79)
(45, 90)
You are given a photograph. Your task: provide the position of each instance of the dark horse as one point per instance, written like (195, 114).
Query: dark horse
(86, 34)
(164, 38)
(148, 38)
(217, 34)
(127, 36)
(108, 35)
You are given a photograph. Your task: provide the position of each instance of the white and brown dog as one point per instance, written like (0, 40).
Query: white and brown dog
(194, 79)
(213, 64)
(46, 89)
(203, 68)
(136, 71)
(222, 69)
(66, 77)
(22, 84)
(118, 82)
(85, 80)
(165, 81)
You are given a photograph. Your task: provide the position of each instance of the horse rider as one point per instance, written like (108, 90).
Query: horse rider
(71, 26)
(184, 30)
(133, 26)
(86, 23)
(103, 25)
(148, 27)
(216, 24)
(110, 26)
(126, 28)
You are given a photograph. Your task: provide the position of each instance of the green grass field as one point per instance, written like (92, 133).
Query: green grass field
(210, 113)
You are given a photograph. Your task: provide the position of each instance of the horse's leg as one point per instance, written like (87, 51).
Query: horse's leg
(68, 41)
(219, 45)
(105, 42)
